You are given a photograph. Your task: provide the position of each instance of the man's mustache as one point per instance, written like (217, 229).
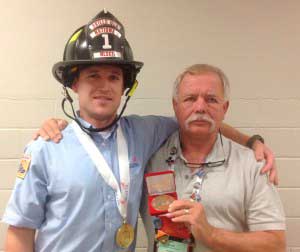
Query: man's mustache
(200, 117)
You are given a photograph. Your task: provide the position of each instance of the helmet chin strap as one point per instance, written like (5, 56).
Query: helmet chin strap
(90, 130)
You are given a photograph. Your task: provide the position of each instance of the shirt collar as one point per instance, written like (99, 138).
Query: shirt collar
(216, 153)
(103, 134)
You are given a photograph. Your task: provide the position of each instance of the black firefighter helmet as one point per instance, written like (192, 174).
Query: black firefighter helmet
(101, 41)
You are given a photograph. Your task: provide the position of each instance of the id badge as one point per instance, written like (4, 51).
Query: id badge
(172, 246)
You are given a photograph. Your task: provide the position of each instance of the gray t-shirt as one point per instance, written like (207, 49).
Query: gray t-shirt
(236, 197)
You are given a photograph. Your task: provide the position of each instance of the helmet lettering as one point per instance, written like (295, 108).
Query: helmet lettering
(106, 42)
(101, 22)
(102, 30)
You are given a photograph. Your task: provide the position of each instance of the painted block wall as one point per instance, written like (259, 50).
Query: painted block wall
(255, 42)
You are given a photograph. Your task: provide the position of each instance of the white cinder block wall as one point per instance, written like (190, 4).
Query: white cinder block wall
(255, 42)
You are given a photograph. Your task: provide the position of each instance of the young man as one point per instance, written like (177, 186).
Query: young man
(83, 194)
(224, 200)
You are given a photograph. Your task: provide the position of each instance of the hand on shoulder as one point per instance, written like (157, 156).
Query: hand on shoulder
(51, 129)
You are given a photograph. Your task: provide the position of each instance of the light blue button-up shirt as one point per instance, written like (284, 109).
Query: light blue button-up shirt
(65, 198)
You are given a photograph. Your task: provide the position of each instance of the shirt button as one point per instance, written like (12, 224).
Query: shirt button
(186, 177)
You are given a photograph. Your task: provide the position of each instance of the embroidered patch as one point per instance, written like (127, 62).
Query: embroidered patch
(24, 166)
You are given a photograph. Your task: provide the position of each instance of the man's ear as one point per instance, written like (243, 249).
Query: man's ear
(75, 85)
(175, 106)
(225, 107)
(124, 89)
(174, 102)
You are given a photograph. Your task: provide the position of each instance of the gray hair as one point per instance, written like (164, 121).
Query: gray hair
(198, 69)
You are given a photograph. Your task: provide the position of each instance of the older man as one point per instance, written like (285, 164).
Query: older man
(224, 200)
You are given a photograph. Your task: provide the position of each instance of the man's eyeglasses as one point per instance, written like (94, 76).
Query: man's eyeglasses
(208, 164)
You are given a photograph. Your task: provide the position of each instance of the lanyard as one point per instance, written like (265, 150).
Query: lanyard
(103, 168)
(200, 174)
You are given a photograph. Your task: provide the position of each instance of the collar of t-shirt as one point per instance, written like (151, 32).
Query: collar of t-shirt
(216, 153)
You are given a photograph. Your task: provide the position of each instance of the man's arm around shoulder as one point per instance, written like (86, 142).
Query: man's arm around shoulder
(19, 239)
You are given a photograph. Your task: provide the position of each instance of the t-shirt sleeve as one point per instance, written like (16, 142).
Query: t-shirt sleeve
(265, 210)
(26, 205)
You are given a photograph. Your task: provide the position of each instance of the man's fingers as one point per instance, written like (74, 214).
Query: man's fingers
(267, 167)
(182, 218)
(35, 136)
(181, 215)
(258, 148)
(270, 159)
(180, 204)
(184, 211)
(276, 180)
(41, 132)
(273, 176)
(270, 166)
(263, 152)
(51, 128)
(62, 124)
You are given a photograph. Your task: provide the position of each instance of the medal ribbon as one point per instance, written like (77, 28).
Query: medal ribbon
(104, 169)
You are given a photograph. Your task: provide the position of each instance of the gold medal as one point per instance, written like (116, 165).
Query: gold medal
(162, 202)
(125, 235)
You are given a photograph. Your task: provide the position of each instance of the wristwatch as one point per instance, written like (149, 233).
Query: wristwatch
(252, 139)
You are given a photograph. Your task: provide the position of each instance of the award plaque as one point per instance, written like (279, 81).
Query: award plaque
(170, 236)
(161, 191)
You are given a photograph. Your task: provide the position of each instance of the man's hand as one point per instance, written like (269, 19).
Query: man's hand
(51, 129)
(216, 239)
(263, 152)
(193, 215)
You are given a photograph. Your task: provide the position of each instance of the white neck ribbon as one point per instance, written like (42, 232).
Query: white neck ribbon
(103, 168)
